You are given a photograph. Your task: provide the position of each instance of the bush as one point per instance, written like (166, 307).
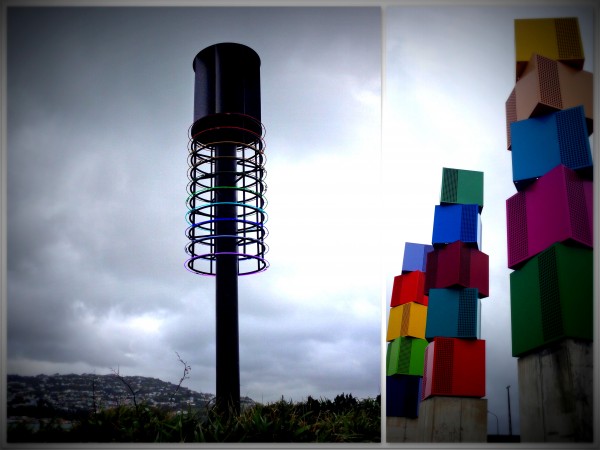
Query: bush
(346, 419)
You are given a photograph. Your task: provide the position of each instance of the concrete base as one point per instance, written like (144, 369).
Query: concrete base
(556, 393)
(452, 419)
(401, 429)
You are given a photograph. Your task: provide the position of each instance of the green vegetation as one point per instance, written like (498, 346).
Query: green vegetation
(345, 419)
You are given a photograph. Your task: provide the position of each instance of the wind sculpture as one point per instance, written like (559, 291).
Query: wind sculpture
(550, 230)
(226, 189)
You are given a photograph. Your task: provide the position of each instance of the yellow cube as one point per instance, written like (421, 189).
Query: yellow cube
(408, 319)
(558, 39)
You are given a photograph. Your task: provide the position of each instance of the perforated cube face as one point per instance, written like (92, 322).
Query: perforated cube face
(541, 143)
(453, 223)
(554, 38)
(453, 313)
(407, 320)
(454, 367)
(461, 186)
(405, 356)
(403, 395)
(458, 265)
(547, 86)
(558, 207)
(511, 116)
(552, 298)
(409, 287)
(415, 256)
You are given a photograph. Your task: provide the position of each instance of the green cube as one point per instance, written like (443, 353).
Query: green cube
(551, 298)
(406, 356)
(461, 186)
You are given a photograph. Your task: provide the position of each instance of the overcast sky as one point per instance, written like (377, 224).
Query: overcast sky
(100, 101)
(99, 105)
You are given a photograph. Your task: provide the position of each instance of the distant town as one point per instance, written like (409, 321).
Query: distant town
(34, 399)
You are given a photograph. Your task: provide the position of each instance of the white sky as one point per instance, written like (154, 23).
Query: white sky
(99, 104)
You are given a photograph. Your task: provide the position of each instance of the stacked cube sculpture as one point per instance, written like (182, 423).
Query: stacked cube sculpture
(550, 226)
(554, 204)
(406, 334)
(456, 278)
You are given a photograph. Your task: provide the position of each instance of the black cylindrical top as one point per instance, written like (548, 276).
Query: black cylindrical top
(227, 80)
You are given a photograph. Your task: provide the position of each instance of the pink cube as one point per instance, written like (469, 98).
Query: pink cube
(557, 207)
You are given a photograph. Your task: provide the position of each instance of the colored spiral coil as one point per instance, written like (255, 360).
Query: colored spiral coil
(241, 131)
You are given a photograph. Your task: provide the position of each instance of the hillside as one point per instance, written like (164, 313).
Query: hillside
(67, 396)
(93, 408)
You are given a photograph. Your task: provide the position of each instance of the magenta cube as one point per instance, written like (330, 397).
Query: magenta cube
(557, 207)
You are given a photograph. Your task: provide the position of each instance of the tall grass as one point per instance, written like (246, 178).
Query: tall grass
(345, 419)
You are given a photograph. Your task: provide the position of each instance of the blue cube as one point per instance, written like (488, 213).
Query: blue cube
(453, 313)
(415, 256)
(403, 394)
(541, 143)
(453, 223)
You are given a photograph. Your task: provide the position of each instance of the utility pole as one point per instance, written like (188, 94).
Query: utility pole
(509, 416)
(497, 427)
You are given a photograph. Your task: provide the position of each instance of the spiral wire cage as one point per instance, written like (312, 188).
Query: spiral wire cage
(207, 135)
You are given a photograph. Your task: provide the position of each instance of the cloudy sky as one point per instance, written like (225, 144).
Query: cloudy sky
(100, 101)
(99, 104)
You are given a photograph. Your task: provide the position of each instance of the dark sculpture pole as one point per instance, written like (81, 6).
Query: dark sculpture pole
(226, 194)
(227, 329)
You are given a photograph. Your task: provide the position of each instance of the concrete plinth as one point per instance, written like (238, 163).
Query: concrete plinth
(556, 393)
(401, 429)
(452, 419)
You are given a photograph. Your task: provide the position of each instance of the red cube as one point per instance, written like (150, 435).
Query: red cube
(409, 287)
(454, 367)
(458, 265)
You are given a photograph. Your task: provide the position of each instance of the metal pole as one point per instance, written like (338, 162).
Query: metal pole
(227, 332)
(497, 427)
(509, 416)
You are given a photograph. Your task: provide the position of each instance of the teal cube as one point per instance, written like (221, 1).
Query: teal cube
(453, 313)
